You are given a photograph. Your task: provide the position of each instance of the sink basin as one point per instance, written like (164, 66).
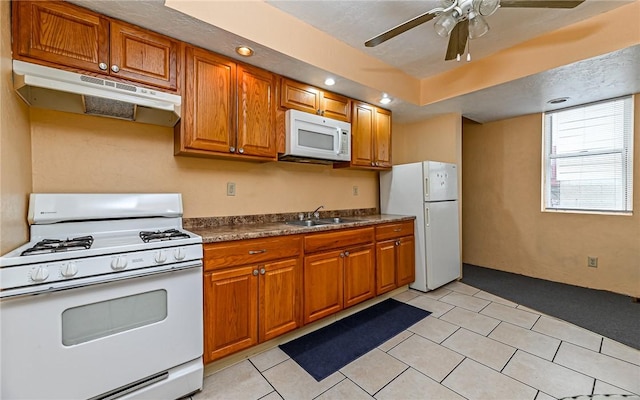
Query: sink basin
(308, 222)
(336, 220)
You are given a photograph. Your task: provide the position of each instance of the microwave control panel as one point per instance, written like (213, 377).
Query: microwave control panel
(344, 142)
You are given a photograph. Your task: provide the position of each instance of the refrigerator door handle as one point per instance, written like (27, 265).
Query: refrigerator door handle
(426, 188)
(426, 215)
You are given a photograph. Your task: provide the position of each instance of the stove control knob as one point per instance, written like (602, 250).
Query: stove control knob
(160, 257)
(119, 263)
(69, 269)
(179, 254)
(39, 274)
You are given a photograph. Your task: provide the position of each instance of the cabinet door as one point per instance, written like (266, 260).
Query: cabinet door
(405, 260)
(382, 143)
(143, 56)
(385, 266)
(336, 106)
(230, 311)
(256, 112)
(280, 305)
(209, 103)
(359, 275)
(323, 285)
(60, 33)
(299, 96)
(362, 135)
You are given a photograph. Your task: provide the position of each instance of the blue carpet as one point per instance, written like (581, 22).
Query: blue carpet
(323, 352)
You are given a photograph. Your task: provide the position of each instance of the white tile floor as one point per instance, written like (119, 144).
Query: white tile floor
(474, 345)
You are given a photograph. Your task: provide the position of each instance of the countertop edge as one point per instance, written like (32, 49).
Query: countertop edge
(227, 233)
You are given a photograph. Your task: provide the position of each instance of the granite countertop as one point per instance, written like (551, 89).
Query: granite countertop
(213, 233)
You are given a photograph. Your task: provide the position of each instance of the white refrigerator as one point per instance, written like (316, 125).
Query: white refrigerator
(429, 191)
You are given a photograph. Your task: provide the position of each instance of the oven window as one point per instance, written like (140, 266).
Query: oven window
(315, 140)
(93, 321)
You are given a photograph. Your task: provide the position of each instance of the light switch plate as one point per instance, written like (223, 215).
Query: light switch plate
(231, 189)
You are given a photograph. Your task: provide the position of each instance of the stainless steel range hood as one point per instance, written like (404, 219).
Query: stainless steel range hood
(55, 89)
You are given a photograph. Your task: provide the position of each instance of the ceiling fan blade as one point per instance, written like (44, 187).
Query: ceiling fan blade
(457, 40)
(541, 3)
(403, 27)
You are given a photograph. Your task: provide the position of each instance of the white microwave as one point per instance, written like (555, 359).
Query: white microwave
(314, 138)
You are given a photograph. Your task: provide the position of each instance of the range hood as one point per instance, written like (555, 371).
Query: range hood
(55, 89)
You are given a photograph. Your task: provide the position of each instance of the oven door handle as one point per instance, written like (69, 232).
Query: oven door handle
(98, 280)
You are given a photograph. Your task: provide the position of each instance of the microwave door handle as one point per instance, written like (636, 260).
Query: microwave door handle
(339, 138)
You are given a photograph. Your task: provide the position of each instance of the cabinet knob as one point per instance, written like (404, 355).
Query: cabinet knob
(262, 271)
(346, 253)
(103, 66)
(373, 164)
(252, 252)
(232, 149)
(341, 255)
(319, 112)
(255, 272)
(397, 243)
(240, 150)
(115, 68)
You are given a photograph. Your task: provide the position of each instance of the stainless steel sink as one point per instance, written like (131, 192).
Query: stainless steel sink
(308, 222)
(336, 220)
(316, 222)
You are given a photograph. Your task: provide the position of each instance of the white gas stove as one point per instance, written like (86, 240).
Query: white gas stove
(108, 283)
(83, 239)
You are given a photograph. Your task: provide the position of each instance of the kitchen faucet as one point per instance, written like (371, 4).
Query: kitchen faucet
(316, 213)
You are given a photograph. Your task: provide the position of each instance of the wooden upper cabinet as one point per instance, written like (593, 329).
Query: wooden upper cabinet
(57, 33)
(362, 135)
(229, 109)
(303, 97)
(208, 122)
(256, 112)
(60, 33)
(382, 142)
(371, 137)
(143, 56)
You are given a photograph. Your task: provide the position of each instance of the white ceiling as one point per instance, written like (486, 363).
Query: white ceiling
(418, 52)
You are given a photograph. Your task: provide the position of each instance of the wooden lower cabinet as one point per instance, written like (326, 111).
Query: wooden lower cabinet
(230, 311)
(359, 275)
(338, 277)
(395, 256)
(323, 285)
(279, 291)
(252, 293)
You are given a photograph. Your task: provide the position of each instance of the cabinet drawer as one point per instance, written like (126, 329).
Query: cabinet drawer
(221, 255)
(394, 230)
(337, 239)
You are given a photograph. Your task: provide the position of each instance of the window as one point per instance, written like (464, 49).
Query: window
(588, 158)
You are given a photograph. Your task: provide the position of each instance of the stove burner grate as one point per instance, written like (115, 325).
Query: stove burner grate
(46, 246)
(169, 234)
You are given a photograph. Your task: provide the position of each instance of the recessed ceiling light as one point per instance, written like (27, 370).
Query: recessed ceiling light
(385, 99)
(558, 100)
(329, 81)
(244, 51)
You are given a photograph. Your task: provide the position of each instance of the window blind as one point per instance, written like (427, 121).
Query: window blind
(589, 157)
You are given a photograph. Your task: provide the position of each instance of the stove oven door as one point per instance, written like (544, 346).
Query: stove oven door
(85, 342)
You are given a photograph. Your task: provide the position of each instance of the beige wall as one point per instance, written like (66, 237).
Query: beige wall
(76, 153)
(15, 148)
(437, 139)
(504, 229)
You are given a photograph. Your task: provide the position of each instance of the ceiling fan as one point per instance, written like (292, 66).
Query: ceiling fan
(461, 20)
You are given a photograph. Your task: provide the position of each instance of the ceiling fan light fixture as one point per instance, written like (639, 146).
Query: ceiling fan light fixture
(485, 7)
(477, 26)
(445, 23)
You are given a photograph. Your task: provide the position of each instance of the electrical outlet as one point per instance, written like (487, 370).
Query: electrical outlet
(592, 262)
(231, 189)
(355, 191)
